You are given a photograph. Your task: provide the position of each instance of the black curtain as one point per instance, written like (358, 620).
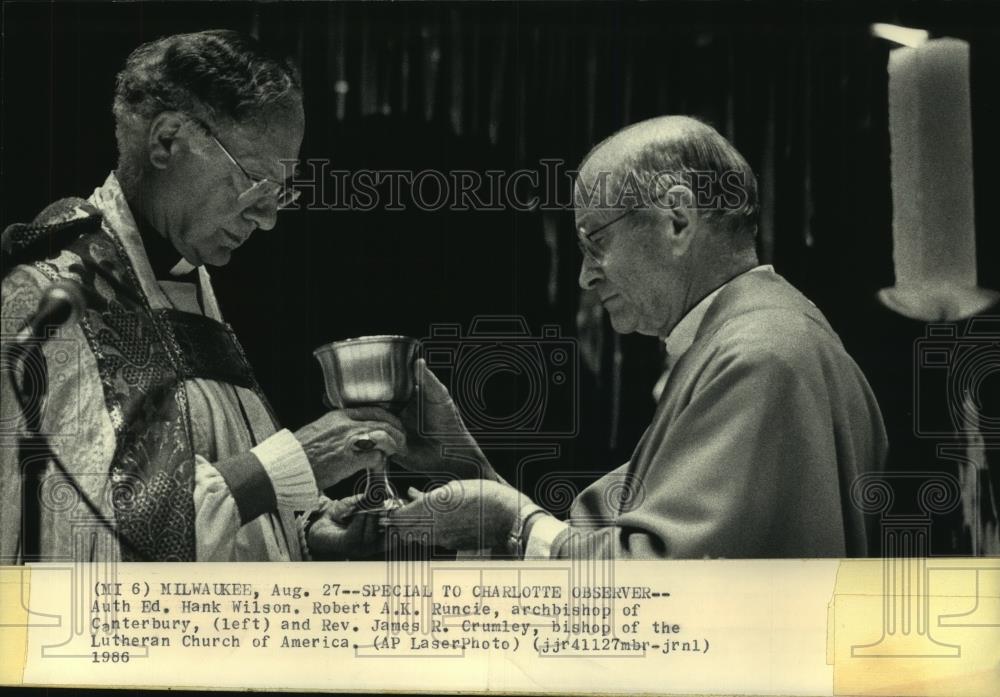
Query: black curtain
(800, 89)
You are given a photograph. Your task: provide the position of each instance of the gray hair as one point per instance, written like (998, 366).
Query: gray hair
(659, 153)
(218, 76)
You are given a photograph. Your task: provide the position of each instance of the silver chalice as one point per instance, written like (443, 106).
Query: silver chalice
(364, 372)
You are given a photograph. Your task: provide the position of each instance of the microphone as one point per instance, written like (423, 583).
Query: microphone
(61, 303)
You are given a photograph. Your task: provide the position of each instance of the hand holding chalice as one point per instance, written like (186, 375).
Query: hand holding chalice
(365, 373)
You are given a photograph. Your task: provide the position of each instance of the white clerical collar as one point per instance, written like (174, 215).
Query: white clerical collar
(681, 338)
(182, 268)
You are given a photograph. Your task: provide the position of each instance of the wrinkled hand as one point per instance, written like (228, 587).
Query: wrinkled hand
(345, 441)
(343, 533)
(462, 514)
(432, 423)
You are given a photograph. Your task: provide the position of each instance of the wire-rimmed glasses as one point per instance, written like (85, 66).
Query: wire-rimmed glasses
(590, 248)
(260, 187)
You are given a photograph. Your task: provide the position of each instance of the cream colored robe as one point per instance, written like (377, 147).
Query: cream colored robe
(83, 437)
(764, 424)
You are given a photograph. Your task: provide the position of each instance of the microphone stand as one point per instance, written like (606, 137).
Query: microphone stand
(34, 450)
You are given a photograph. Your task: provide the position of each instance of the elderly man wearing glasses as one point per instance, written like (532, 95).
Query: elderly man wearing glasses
(764, 423)
(160, 444)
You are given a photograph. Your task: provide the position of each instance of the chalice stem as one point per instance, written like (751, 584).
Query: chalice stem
(379, 492)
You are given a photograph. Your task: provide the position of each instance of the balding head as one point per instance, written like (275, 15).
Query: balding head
(636, 166)
(666, 212)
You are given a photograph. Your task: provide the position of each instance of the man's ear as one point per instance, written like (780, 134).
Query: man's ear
(678, 209)
(162, 141)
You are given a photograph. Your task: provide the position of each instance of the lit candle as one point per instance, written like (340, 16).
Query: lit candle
(930, 127)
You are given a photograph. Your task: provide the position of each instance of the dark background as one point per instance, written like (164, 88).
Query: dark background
(801, 90)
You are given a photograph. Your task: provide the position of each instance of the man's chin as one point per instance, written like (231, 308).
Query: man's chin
(218, 257)
(622, 324)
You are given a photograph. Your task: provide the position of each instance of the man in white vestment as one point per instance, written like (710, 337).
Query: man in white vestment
(168, 449)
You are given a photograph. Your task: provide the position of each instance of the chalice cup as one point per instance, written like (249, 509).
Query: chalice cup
(364, 372)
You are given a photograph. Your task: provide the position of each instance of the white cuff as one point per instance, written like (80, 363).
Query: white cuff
(286, 464)
(543, 533)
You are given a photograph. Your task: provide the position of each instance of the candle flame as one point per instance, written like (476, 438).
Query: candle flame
(904, 36)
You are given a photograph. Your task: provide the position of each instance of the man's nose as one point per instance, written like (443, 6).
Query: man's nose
(590, 273)
(264, 212)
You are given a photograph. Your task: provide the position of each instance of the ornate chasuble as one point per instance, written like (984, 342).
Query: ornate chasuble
(144, 356)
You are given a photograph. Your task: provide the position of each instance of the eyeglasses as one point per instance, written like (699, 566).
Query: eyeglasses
(592, 248)
(260, 187)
